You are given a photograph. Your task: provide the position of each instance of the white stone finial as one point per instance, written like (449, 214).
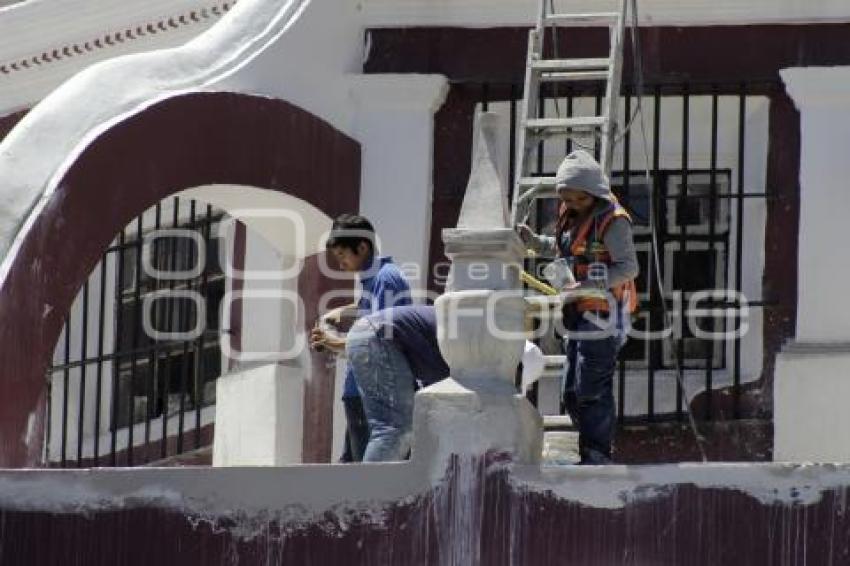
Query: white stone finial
(481, 322)
(485, 202)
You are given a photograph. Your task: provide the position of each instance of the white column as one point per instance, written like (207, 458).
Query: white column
(812, 377)
(259, 417)
(395, 125)
(822, 95)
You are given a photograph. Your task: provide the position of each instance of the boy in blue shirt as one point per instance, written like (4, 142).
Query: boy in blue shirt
(382, 285)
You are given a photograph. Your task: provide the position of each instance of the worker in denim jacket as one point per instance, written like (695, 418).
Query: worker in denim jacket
(594, 237)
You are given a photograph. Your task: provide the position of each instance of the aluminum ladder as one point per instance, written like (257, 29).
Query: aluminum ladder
(534, 127)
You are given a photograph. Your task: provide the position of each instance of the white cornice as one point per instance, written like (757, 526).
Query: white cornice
(43, 43)
(818, 86)
(400, 91)
(489, 13)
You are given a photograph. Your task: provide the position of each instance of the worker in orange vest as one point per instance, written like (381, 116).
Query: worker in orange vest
(594, 238)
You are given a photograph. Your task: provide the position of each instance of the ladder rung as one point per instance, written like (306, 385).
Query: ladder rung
(531, 182)
(557, 421)
(563, 124)
(571, 64)
(554, 365)
(574, 76)
(590, 20)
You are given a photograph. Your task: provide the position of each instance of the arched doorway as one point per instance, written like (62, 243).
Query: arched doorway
(192, 140)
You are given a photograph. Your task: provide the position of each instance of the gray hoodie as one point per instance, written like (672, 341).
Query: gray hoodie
(579, 171)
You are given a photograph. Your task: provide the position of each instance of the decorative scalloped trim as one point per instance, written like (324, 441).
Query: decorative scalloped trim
(165, 24)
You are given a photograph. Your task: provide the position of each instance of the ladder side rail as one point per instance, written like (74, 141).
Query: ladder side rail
(528, 111)
(612, 97)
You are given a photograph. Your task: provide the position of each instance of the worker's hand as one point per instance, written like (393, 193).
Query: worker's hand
(333, 317)
(317, 338)
(322, 340)
(526, 234)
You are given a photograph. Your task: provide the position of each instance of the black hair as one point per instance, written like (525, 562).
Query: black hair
(349, 230)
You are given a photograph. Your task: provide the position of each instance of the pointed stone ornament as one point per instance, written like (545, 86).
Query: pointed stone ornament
(481, 322)
(485, 202)
(485, 251)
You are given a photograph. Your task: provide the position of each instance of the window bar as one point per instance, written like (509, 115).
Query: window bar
(712, 229)
(65, 379)
(656, 293)
(621, 400)
(183, 318)
(627, 146)
(116, 363)
(596, 139)
(153, 390)
(48, 434)
(739, 256)
(512, 144)
(84, 326)
(150, 390)
(683, 244)
(160, 391)
(99, 365)
(538, 209)
(137, 316)
(199, 345)
(150, 396)
(171, 249)
(570, 111)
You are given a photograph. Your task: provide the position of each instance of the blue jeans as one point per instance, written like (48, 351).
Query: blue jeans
(589, 390)
(356, 430)
(387, 386)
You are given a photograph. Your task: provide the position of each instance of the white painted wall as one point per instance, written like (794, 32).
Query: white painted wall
(822, 95)
(395, 120)
(810, 418)
(811, 378)
(260, 416)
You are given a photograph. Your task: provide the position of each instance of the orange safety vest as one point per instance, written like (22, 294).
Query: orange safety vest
(584, 250)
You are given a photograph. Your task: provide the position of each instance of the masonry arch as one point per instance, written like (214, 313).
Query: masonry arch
(251, 145)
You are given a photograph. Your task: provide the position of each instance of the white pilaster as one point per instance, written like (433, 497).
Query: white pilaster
(395, 121)
(811, 376)
(259, 417)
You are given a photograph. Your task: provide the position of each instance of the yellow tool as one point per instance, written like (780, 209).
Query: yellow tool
(536, 284)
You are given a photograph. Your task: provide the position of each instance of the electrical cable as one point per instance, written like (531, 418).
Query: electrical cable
(668, 318)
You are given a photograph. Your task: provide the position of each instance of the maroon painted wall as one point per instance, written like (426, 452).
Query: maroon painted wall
(479, 516)
(10, 121)
(182, 142)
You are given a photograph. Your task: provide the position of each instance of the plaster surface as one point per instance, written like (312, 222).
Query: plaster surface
(811, 373)
(259, 416)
